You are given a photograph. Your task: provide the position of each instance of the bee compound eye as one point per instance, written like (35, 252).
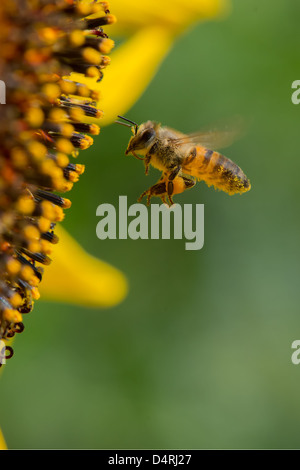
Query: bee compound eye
(148, 134)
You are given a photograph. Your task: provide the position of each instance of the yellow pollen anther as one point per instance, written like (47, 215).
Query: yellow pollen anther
(67, 130)
(105, 61)
(26, 273)
(91, 56)
(67, 87)
(37, 150)
(34, 246)
(111, 19)
(64, 186)
(93, 72)
(16, 300)
(47, 209)
(13, 266)
(80, 169)
(62, 160)
(106, 45)
(49, 35)
(77, 114)
(83, 91)
(58, 214)
(34, 281)
(77, 38)
(44, 224)
(57, 115)
(86, 142)
(19, 157)
(35, 293)
(52, 91)
(35, 117)
(84, 9)
(67, 203)
(12, 316)
(73, 176)
(64, 146)
(46, 247)
(25, 205)
(94, 129)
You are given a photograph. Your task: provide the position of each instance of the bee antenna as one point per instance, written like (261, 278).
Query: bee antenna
(128, 120)
(122, 123)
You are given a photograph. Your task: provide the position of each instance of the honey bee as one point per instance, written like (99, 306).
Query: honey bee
(183, 159)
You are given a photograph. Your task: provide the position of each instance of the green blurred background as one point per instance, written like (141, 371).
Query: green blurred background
(199, 354)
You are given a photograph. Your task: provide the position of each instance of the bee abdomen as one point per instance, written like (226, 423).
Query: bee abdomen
(217, 170)
(227, 176)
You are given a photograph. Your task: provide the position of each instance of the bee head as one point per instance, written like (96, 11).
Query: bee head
(143, 137)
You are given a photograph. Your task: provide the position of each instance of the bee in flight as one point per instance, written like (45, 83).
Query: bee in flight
(184, 159)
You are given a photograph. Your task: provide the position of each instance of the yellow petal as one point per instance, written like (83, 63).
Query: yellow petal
(135, 62)
(78, 278)
(133, 65)
(170, 14)
(3, 445)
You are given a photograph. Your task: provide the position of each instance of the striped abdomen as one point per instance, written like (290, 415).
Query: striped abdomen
(216, 170)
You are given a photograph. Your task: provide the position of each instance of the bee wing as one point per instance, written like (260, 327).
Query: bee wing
(210, 139)
(214, 138)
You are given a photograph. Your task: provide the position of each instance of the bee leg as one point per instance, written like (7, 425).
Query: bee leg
(171, 202)
(170, 192)
(158, 189)
(188, 182)
(179, 185)
(142, 195)
(136, 156)
(163, 198)
(170, 188)
(174, 173)
(147, 163)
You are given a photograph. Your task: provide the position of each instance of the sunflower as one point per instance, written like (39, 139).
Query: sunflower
(42, 128)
